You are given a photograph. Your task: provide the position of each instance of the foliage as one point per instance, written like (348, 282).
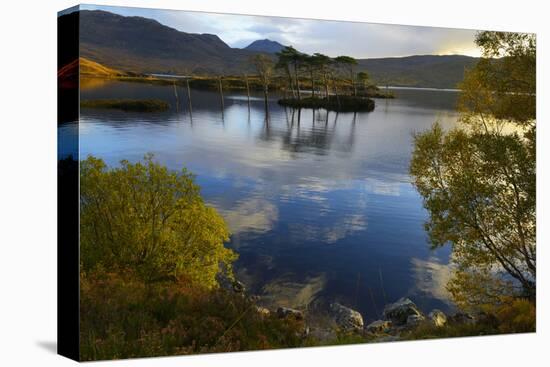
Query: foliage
(151, 254)
(288, 57)
(139, 105)
(479, 183)
(363, 78)
(517, 316)
(142, 216)
(427, 330)
(496, 90)
(480, 192)
(123, 317)
(478, 290)
(348, 63)
(512, 316)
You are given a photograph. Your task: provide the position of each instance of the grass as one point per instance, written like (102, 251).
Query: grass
(515, 316)
(122, 317)
(137, 105)
(341, 104)
(430, 331)
(92, 68)
(376, 93)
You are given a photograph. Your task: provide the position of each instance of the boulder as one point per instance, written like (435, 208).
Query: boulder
(438, 318)
(263, 311)
(346, 318)
(379, 326)
(399, 311)
(238, 287)
(414, 320)
(284, 312)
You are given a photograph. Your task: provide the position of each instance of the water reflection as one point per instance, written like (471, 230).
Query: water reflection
(431, 279)
(320, 203)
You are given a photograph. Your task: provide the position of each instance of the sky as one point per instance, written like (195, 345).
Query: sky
(333, 38)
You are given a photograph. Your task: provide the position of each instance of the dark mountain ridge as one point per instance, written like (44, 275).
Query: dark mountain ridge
(142, 45)
(265, 45)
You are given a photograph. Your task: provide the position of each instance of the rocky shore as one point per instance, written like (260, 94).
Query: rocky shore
(324, 321)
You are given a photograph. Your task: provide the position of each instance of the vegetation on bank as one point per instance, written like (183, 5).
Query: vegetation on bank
(293, 73)
(152, 258)
(137, 105)
(513, 316)
(91, 68)
(123, 316)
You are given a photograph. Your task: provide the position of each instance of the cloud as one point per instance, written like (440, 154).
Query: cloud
(252, 215)
(291, 290)
(431, 277)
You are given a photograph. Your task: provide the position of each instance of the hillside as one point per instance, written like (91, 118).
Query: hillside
(141, 45)
(88, 67)
(144, 45)
(419, 71)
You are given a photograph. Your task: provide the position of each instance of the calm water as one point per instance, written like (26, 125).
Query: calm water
(320, 205)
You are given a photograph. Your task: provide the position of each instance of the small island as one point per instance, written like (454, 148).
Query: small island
(340, 104)
(134, 105)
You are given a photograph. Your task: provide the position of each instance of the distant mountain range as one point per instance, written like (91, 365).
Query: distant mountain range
(266, 46)
(432, 71)
(142, 45)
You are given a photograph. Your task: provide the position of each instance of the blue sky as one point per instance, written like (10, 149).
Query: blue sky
(360, 40)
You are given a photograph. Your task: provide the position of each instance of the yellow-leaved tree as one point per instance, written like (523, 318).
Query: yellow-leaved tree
(478, 181)
(152, 221)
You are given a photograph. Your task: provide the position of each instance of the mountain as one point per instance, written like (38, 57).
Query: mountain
(433, 71)
(266, 46)
(142, 45)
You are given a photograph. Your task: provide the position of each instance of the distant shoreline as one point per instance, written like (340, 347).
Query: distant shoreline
(382, 87)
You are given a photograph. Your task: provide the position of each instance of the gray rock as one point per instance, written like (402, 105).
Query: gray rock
(346, 318)
(379, 326)
(399, 311)
(263, 311)
(284, 312)
(438, 318)
(414, 320)
(238, 287)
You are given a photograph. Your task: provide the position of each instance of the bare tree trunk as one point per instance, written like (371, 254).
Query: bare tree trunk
(265, 98)
(297, 82)
(336, 93)
(325, 79)
(177, 97)
(290, 83)
(312, 84)
(247, 90)
(353, 83)
(221, 92)
(189, 97)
